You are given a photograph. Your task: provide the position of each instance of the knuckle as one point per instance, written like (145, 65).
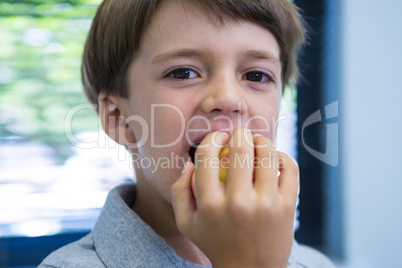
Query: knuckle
(289, 207)
(239, 206)
(266, 203)
(268, 207)
(288, 163)
(205, 153)
(208, 207)
(268, 142)
(292, 167)
(289, 210)
(242, 151)
(262, 142)
(202, 151)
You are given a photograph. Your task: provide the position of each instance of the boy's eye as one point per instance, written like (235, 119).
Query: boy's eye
(182, 74)
(257, 77)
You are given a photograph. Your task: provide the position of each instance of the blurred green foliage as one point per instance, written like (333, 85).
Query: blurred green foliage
(41, 44)
(61, 9)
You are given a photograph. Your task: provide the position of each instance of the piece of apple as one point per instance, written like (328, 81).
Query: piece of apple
(223, 164)
(192, 183)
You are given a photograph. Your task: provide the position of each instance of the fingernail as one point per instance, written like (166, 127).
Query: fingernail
(223, 133)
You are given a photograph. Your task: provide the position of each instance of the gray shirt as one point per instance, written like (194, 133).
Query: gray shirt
(121, 239)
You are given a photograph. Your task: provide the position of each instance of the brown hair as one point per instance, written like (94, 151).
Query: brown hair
(118, 26)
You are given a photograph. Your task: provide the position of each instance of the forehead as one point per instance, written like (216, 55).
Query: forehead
(180, 23)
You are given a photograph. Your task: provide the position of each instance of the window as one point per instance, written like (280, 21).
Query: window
(45, 124)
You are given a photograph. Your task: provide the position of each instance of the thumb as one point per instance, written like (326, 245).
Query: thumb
(183, 200)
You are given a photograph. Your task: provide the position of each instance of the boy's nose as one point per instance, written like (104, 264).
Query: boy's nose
(224, 97)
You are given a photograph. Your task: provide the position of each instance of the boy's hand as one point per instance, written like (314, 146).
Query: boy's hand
(247, 222)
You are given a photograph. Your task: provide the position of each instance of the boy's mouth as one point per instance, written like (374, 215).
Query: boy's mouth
(192, 151)
(193, 147)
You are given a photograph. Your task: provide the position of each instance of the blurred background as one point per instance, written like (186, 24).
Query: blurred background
(342, 123)
(52, 185)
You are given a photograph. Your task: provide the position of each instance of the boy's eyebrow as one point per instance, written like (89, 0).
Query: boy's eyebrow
(180, 53)
(261, 55)
(195, 53)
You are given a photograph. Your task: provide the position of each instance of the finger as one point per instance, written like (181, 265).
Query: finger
(207, 184)
(183, 202)
(266, 166)
(289, 178)
(241, 155)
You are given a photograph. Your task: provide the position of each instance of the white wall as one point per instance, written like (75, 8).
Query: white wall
(371, 127)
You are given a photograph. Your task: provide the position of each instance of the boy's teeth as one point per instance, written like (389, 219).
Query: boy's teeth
(192, 151)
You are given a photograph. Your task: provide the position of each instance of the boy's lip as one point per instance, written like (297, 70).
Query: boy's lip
(191, 150)
(201, 137)
(194, 143)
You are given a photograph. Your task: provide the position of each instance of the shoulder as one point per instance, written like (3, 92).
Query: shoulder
(78, 254)
(304, 256)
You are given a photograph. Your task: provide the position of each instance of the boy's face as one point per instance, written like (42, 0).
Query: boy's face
(191, 77)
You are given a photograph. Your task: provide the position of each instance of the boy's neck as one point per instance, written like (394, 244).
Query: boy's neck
(159, 215)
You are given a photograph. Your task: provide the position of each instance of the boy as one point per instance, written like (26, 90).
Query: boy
(170, 74)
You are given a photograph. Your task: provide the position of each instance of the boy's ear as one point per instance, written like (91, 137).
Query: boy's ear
(112, 113)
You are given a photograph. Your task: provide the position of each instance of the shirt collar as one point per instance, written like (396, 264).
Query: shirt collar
(122, 239)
